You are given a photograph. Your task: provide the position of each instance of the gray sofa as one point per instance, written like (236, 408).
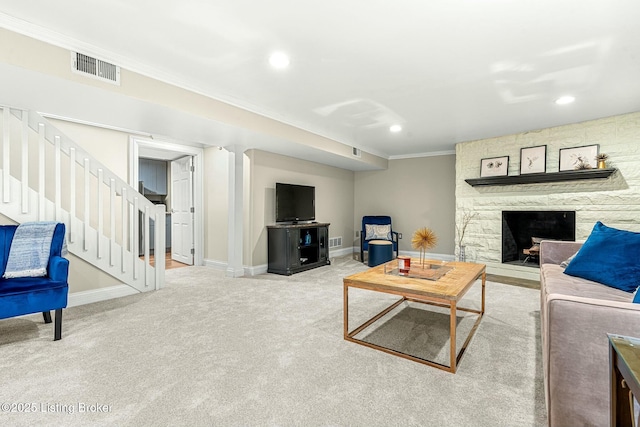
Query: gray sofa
(575, 316)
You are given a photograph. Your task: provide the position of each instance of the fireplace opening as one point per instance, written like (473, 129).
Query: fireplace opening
(522, 231)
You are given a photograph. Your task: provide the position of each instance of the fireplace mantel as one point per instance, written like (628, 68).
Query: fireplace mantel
(536, 178)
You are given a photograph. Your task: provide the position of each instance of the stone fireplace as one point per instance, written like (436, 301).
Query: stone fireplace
(613, 200)
(523, 230)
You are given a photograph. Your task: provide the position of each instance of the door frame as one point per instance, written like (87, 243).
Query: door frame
(136, 142)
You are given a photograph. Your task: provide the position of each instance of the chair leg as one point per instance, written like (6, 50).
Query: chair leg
(57, 334)
(47, 316)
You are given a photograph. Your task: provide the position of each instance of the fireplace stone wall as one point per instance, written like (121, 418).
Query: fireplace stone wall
(615, 200)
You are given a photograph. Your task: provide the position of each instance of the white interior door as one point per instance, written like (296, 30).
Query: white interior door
(182, 210)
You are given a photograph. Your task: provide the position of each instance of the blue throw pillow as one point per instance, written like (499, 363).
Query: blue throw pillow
(609, 256)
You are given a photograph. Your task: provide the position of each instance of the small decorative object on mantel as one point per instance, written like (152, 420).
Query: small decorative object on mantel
(494, 166)
(578, 158)
(423, 239)
(602, 160)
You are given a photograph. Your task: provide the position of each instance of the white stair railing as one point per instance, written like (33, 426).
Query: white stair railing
(46, 176)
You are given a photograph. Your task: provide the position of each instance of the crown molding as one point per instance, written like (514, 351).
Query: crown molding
(429, 154)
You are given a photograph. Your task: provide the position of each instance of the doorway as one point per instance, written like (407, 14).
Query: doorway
(183, 198)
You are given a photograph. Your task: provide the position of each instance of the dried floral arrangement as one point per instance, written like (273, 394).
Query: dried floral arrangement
(424, 238)
(462, 226)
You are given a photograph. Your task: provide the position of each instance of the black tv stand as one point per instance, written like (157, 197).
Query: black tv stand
(297, 247)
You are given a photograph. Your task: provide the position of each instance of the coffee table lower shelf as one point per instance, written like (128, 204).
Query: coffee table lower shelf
(454, 359)
(451, 304)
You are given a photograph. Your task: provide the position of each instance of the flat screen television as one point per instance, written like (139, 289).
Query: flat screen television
(295, 202)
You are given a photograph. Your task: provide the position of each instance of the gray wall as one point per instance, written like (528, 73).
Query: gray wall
(416, 193)
(334, 197)
(216, 202)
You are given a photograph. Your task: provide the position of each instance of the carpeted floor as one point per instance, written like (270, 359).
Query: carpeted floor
(268, 351)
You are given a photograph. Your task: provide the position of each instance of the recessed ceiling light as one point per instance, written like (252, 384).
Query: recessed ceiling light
(563, 100)
(279, 60)
(395, 128)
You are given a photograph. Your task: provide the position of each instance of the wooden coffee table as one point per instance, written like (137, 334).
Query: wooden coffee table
(447, 291)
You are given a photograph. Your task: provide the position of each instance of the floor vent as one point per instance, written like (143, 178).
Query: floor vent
(335, 242)
(95, 68)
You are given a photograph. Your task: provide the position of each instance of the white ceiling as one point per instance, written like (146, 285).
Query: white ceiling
(446, 70)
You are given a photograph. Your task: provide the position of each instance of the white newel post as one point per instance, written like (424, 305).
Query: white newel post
(159, 244)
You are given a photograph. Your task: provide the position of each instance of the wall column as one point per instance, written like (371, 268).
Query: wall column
(235, 267)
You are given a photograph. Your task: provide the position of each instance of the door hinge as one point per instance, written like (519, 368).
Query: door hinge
(192, 209)
(192, 168)
(193, 251)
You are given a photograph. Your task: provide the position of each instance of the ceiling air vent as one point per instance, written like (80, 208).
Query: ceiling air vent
(95, 68)
(356, 152)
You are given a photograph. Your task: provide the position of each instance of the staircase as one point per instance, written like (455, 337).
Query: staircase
(45, 176)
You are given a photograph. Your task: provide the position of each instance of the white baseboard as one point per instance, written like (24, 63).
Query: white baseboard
(262, 269)
(223, 266)
(341, 252)
(102, 294)
(218, 265)
(429, 255)
(415, 254)
(255, 270)
(247, 271)
(235, 272)
(509, 270)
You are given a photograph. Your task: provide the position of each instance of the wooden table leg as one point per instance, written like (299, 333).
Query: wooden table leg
(452, 336)
(346, 310)
(484, 280)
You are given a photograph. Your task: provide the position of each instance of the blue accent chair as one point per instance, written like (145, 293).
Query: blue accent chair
(377, 220)
(26, 295)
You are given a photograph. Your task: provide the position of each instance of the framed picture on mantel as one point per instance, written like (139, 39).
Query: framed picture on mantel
(494, 166)
(533, 160)
(578, 158)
